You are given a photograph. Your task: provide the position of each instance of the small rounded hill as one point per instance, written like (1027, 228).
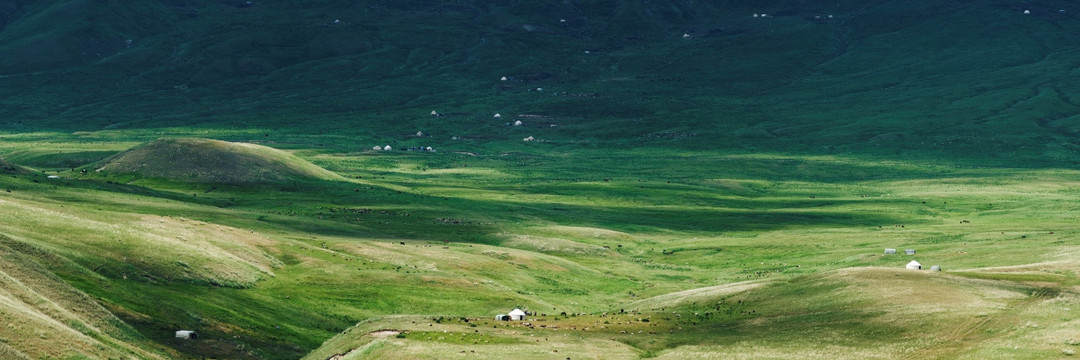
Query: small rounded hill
(212, 161)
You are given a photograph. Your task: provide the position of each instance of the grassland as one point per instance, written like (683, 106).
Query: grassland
(450, 235)
(703, 183)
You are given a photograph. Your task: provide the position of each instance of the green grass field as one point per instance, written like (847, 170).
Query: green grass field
(700, 183)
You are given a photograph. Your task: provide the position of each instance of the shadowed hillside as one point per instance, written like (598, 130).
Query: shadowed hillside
(212, 161)
(975, 81)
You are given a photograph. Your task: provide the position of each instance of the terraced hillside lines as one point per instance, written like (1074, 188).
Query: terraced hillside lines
(213, 162)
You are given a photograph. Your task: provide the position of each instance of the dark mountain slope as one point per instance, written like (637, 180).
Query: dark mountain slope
(929, 79)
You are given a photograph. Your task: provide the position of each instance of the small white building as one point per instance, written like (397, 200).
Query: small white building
(497, 115)
(377, 148)
(890, 251)
(914, 265)
(935, 268)
(529, 139)
(187, 334)
(517, 314)
(518, 123)
(909, 251)
(387, 148)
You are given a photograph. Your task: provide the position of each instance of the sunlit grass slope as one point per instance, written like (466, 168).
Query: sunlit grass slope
(855, 313)
(44, 317)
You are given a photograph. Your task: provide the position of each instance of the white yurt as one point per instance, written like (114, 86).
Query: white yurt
(914, 265)
(517, 314)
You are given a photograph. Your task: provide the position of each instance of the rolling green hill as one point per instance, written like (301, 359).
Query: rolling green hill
(664, 179)
(213, 162)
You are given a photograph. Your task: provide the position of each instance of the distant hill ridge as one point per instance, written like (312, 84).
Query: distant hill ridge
(213, 161)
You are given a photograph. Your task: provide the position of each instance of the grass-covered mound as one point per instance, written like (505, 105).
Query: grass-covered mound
(212, 161)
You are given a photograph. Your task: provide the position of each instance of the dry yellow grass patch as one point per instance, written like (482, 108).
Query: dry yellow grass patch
(918, 293)
(552, 244)
(759, 351)
(693, 295)
(376, 340)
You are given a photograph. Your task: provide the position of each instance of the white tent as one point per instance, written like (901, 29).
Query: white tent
(518, 123)
(497, 115)
(387, 148)
(517, 314)
(377, 148)
(914, 265)
(186, 334)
